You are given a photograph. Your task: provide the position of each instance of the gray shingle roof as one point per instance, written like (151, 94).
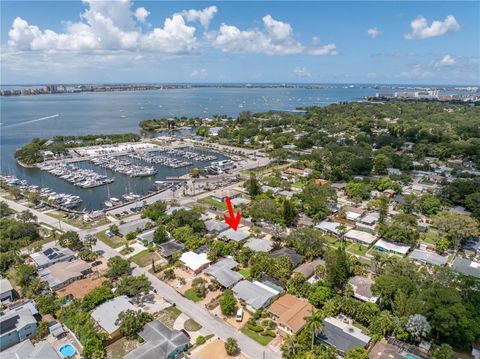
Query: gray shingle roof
(239, 235)
(259, 245)
(160, 342)
(294, 256)
(343, 336)
(216, 226)
(255, 294)
(466, 267)
(307, 269)
(171, 247)
(223, 273)
(50, 255)
(428, 257)
(107, 313)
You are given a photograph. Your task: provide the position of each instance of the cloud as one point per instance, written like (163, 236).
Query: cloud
(447, 60)
(421, 30)
(203, 16)
(301, 72)
(141, 14)
(276, 38)
(330, 49)
(374, 32)
(106, 25)
(416, 71)
(199, 73)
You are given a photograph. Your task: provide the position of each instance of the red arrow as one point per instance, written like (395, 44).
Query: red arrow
(233, 220)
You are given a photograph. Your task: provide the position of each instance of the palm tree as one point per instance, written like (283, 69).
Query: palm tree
(315, 324)
(90, 240)
(289, 346)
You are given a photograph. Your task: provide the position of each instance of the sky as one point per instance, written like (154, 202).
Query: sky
(91, 41)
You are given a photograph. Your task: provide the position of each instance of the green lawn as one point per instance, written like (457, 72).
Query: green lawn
(113, 242)
(257, 337)
(191, 325)
(168, 315)
(357, 249)
(190, 294)
(144, 258)
(209, 201)
(245, 272)
(332, 241)
(40, 242)
(77, 221)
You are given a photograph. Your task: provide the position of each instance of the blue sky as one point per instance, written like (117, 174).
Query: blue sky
(318, 42)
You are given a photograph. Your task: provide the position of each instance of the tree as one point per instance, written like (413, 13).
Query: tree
(315, 324)
(155, 210)
(87, 254)
(90, 240)
(114, 229)
(289, 347)
(48, 304)
(443, 351)
(160, 235)
(70, 240)
(319, 294)
(117, 267)
(279, 155)
(198, 285)
(357, 353)
(458, 227)
(317, 200)
(337, 268)
(429, 205)
(380, 164)
(418, 327)
(472, 203)
(134, 286)
(252, 186)
(27, 216)
(306, 241)
(231, 346)
(358, 191)
(131, 322)
(228, 303)
(383, 324)
(24, 274)
(289, 213)
(4, 209)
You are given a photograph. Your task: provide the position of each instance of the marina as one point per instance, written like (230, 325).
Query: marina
(56, 199)
(80, 177)
(123, 166)
(161, 160)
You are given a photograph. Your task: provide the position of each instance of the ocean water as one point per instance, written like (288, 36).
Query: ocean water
(26, 117)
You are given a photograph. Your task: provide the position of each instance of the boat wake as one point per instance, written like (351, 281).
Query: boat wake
(31, 121)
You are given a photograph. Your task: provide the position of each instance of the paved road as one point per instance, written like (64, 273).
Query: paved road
(210, 322)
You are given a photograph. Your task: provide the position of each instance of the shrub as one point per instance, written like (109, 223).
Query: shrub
(268, 333)
(255, 328)
(200, 340)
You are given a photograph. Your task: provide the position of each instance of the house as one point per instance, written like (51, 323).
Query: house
(194, 262)
(321, 182)
(106, 314)
(285, 251)
(384, 350)
(170, 211)
(239, 201)
(353, 213)
(213, 225)
(308, 269)
(94, 216)
(6, 290)
(466, 267)
(426, 257)
(329, 227)
(362, 237)
(241, 234)
(339, 186)
(294, 174)
(274, 190)
(223, 194)
(394, 171)
(362, 289)
(26, 350)
(384, 246)
(223, 272)
(289, 312)
(17, 324)
(168, 248)
(60, 274)
(132, 226)
(342, 334)
(51, 255)
(472, 247)
(256, 295)
(146, 236)
(80, 288)
(259, 245)
(159, 342)
(368, 221)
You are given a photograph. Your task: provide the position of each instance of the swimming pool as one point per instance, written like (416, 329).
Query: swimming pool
(67, 350)
(410, 356)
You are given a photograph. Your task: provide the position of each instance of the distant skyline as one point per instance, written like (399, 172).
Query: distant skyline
(123, 41)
